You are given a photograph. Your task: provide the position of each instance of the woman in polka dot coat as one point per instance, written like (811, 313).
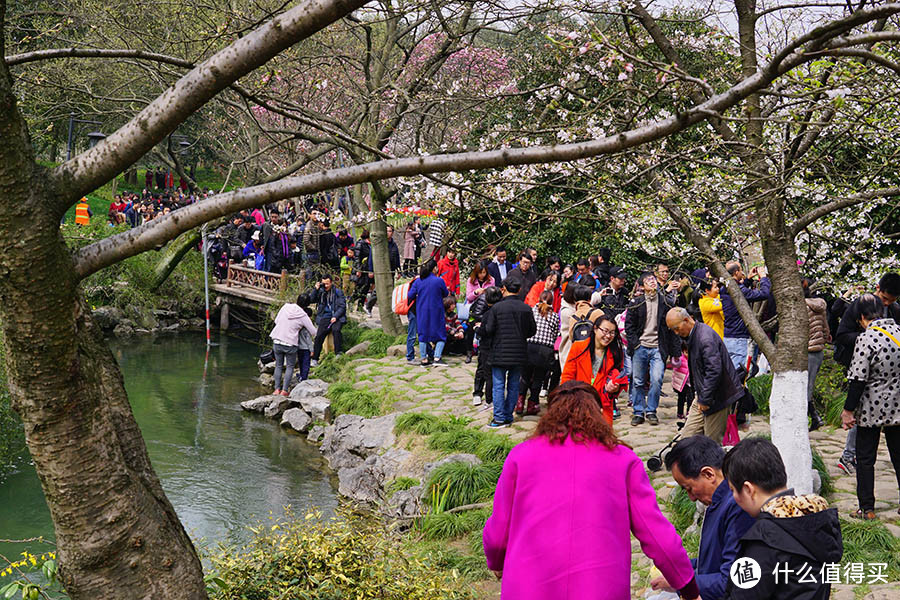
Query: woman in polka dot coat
(873, 399)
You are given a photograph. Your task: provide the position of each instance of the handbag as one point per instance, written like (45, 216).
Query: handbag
(731, 431)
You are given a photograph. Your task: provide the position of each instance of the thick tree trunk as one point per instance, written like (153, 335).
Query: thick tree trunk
(787, 404)
(381, 263)
(172, 255)
(117, 535)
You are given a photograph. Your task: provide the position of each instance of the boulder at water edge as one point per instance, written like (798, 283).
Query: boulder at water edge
(296, 419)
(266, 367)
(318, 407)
(352, 439)
(406, 504)
(277, 406)
(315, 434)
(365, 482)
(259, 404)
(310, 387)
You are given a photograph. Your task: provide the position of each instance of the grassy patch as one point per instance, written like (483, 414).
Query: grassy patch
(333, 368)
(452, 434)
(830, 390)
(871, 542)
(443, 526)
(439, 556)
(761, 388)
(465, 483)
(347, 400)
(827, 482)
(379, 341)
(399, 484)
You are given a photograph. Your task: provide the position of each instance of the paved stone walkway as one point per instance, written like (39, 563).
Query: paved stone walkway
(448, 390)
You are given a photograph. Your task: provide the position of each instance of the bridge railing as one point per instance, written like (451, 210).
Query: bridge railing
(262, 281)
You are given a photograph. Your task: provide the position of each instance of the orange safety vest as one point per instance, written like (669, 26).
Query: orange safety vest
(81, 214)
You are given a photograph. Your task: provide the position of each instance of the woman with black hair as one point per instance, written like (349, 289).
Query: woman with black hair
(873, 397)
(429, 291)
(598, 360)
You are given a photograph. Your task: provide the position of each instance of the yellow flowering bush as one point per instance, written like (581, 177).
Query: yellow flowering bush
(350, 556)
(13, 576)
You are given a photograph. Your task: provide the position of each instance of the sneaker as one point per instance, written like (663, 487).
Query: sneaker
(616, 413)
(425, 363)
(411, 361)
(439, 363)
(476, 400)
(313, 363)
(652, 419)
(543, 393)
(496, 425)
(637, 420)
(847, 466)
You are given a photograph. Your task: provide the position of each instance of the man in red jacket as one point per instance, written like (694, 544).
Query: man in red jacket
(448, 270)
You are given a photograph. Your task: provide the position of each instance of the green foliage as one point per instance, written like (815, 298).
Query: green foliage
(871, 542)
(12, 435)
(467, 483)
(827, 482)
(351, 556)
(470, 564)
(445, 525)
(451, 434)
(378, 340)
(761, 388)
(33, 576)
(128, 284)
(398, 484)
(830, 389)
(691, 543)
(333, 368)
(682, 509)
(347, 400)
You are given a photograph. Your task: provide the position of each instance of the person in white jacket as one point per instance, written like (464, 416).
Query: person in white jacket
(291, 324)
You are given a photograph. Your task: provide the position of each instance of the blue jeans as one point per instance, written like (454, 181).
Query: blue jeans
(303, 357)
(411, 337)
(505, 399)
(646, 361)
(737, 350)
(425, 350)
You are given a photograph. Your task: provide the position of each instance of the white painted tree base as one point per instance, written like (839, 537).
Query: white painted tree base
(790, 428)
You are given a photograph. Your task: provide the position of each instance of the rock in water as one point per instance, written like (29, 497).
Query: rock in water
(259, 404)
(315, 434)
(310, 387)
(266, 380)
(107, 317)
(278, 405)
(296, 419)
(318, 407)
(360, 348)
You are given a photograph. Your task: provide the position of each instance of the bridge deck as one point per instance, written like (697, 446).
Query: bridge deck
(246, 293)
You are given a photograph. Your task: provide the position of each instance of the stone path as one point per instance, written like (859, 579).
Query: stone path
(448, 391)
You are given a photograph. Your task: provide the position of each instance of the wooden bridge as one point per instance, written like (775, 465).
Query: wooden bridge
(249, 288)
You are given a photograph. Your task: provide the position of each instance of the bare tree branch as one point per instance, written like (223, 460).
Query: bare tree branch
(820, 211)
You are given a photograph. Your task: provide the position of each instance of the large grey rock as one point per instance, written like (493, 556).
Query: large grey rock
(406, 504)
(318, 407)
(107, 317)
(278, 405)
(315, 434)
(124, 329)
(469, 459)
(358, 437)
(365, 482)
(268, 367)
(310, 387)
(399, 350)
(296, 419)
(266, 380)
(359, 349)
(260, 403)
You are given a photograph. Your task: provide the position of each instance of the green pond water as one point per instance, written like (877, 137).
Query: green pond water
(222, 468)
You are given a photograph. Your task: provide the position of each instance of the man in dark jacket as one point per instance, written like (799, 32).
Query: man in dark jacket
(523, 274)
(712, 373)
(331, 314)
(499, 268)
(696, 464)
(783, 555)
(393, 250)
(508, 324)
(650, 344)
(614, 298)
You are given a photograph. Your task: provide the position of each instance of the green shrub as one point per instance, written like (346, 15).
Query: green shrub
(871, 542)
(452, 434)
(348, 557)
(467, 483)
(439, 556)
(458, 439)
(682, 510)
(399, 484)
(447, 525)
(347, 400)
(379, 341)
(827, 482)
(494, 448)
(761, 388)
(830, 389)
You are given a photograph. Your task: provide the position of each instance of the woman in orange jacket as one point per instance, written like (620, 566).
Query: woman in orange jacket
(598, 361)
(550, 284)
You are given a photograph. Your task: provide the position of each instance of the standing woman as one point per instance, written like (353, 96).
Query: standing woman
(873, 398)
(540, 354)
(599, 361)
(289, 322)
(409, 247)
(479, 280)
(566, 505)
(428, 292)
(550, 283)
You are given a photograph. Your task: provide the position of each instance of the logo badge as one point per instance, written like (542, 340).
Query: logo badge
(745, 573)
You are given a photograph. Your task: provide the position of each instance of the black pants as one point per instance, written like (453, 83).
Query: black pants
(867, 439)
(362, 289)
(554, 373)
(322, 331)
(483, 382)
(535, 371)
(685, 399)
(469, 338)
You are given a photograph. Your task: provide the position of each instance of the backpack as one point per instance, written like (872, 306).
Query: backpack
(399, 303)
(583, 329)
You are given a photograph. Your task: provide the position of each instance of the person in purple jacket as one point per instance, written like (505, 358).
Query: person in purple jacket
(567, 502)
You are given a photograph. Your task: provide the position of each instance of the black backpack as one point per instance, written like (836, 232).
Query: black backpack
(583, 328)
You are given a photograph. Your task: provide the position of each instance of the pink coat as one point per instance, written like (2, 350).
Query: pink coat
(562, 519)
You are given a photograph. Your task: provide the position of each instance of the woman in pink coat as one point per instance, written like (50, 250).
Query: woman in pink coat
(566, 505)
